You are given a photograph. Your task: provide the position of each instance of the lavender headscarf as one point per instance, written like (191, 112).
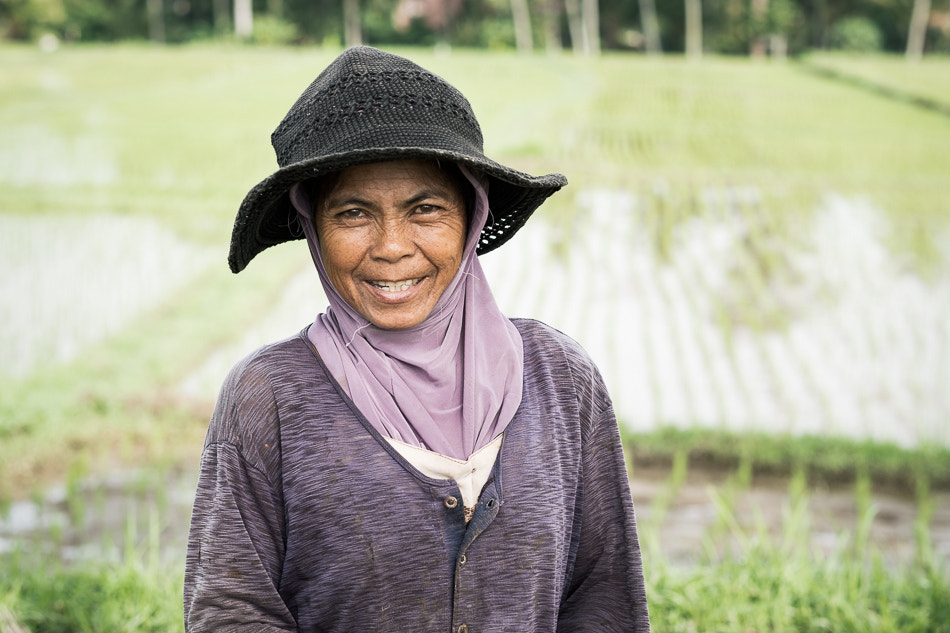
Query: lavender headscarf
(450, 384)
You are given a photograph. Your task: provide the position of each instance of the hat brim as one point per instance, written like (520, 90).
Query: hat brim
(267, 218)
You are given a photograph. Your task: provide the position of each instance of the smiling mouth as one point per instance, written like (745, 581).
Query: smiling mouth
(396, 286)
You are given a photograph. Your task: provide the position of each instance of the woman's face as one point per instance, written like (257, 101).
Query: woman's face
(392, 236)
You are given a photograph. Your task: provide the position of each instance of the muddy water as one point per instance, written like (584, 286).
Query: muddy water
(145, 513)
(148, 513)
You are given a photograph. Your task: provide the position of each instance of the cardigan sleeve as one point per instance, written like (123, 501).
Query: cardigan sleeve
(606, 590)
(236, 543)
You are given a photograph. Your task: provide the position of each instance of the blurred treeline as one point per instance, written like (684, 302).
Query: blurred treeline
(754, 27)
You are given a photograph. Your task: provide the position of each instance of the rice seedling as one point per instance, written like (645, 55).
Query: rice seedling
(753, 578)
(127, 597)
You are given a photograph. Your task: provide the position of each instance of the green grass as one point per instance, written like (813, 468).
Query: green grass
(769, 585)
(825, 460)
(768, 589)
(189, 126)
(775, 589)
(95, 597)
(893, 73)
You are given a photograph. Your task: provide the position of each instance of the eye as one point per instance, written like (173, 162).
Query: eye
(351, 214)
(425, 209)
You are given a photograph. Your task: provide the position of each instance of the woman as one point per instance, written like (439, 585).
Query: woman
(412, 460)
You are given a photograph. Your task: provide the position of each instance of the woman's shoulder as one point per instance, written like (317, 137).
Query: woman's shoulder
(282, 359)
(248, 393)
(553, 359)
(542, 339)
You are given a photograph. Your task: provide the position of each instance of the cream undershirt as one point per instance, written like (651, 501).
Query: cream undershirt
(470, 475)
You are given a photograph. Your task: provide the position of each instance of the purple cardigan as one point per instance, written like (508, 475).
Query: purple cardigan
(306, 519)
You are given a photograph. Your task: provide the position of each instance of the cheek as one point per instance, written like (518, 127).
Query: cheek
(340, 256)
(449, 260)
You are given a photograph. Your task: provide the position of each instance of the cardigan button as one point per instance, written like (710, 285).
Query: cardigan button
(462, 560)
(462, 628)
(450, 502)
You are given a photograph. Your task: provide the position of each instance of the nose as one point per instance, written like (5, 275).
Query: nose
(393, 241)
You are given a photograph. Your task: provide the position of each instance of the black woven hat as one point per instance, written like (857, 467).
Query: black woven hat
(370, 106)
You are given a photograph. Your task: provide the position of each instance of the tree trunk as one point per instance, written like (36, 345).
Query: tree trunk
(778, 46)
(694, 29)
(521, 17)
(591, 21)
(821, 24)
(222, 18)
(352, 34)
(917, 33)
(243, 18)
(156, 20)
(552, 27)
(651, 27)
(758, 43)
(575, 25)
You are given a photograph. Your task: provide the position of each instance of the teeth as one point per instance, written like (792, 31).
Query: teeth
(396, 286)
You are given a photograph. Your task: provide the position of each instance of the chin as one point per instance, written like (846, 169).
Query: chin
(395, 324)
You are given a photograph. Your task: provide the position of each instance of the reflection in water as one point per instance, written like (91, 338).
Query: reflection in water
(140, 513)
(726, 319)
(71, 281)
(721, 319)
(730, 318)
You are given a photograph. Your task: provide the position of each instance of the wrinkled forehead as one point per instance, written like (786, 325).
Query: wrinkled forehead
(375, 176)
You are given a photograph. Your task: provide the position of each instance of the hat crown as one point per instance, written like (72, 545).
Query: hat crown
(370, 106)
(368, 99)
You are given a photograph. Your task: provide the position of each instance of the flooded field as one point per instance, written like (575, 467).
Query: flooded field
(721, 320)
(125, 514)
(71, 281)
(147, 513)
(733, 318)
(837, 337)
(736, 323)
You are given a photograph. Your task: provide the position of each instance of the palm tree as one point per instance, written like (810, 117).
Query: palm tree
(222, 21)
(551, 11)
(155, 10)
(521, 17)
(243, 18)
(583, 20)
(694, 29)
(592, 25)
(352, 33)
(651, 27)
(917, 32)
(760, 11)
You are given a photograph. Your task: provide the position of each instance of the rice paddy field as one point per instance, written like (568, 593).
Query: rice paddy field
(756, 254)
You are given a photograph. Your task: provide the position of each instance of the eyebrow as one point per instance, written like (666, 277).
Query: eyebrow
(354, 201)
(428, 194)
(431, 193)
